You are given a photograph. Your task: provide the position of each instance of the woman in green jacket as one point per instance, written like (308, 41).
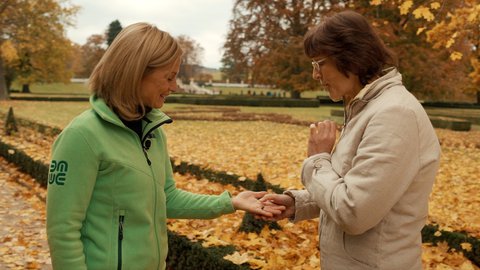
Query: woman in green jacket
(111, 186)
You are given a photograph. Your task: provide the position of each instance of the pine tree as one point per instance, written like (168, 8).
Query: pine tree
(113, 29)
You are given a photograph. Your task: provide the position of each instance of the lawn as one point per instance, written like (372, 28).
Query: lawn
(82, 89)
(61, 113)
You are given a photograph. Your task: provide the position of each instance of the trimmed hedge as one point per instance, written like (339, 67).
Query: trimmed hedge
(451, 123)
(243, 101)
(185, 254)
(454, 239)
(221, 177)
(50, 98)
(35, 168)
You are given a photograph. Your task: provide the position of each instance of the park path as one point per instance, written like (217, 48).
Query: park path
(23, 243)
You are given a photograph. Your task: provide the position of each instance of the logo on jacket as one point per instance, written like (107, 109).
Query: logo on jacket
(58, 172)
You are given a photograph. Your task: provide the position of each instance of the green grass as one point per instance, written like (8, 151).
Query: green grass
(57, 88)
(82, 89)
(61, 113)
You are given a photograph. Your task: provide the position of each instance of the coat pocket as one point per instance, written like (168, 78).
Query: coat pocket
(363, 248)
(121, 223)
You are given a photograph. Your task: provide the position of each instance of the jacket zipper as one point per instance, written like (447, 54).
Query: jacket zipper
(147, 136)
(121, 219)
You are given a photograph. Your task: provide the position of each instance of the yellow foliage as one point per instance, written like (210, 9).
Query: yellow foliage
(435, 5)
(475, 74)
(450, 43)
(466, 246)
(8, 51)
(456, 56)
(423, 12)
(237, 258)
(375, 2)
(405, 7)
(420, 30)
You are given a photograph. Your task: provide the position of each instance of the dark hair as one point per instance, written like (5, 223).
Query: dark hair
(352, 43)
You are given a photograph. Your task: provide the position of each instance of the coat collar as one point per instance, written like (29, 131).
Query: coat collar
(372, 90)
(391, 78)
(155, 116)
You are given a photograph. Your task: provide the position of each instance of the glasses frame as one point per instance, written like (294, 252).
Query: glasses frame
(316, 64)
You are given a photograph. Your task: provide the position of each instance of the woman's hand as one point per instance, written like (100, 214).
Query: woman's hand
(322, 137)
(249, 201)
(279, 200)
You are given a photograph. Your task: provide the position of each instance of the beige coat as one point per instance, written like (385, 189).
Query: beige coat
(372, 192)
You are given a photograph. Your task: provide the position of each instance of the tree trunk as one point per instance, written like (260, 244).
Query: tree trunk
(478, 97)
(26, 88)
(3, 85)
(294, 94)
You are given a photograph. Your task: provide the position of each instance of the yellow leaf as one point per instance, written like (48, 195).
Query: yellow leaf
(8, 51)
(456, 56)
(466, 246)
(449, 43)
(405, 7)
(467, 265)
(435, 5)
(423, 12)
(236, 258)
(420, 30)
(437, 234)
(375, 2)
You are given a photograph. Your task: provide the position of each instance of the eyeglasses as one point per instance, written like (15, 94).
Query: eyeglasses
(316, 64)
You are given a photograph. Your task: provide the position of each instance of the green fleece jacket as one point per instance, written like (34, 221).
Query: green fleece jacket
(110, 193)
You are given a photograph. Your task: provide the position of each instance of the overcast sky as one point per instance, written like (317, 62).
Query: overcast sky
(206, 21)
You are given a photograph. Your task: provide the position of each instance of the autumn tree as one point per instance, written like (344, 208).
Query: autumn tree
(427, 73)
(192, 57)
(264, 42)
(92, 51)
(113, 29)
(32, 41)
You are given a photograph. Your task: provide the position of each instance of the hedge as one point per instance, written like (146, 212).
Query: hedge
(243, 101)
(222, 177)
(432, 234)
(451, 123)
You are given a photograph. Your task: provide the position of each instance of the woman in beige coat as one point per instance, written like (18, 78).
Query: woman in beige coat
(371, 190)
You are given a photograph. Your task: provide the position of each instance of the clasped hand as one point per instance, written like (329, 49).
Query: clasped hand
(265, 206)
(279, 206)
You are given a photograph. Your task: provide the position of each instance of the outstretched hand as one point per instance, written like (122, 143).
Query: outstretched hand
(249, 201)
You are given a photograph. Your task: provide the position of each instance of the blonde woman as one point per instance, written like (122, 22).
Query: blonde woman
(111, 185)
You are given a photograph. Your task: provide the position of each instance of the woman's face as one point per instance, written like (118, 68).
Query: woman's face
(158, 84)
(339, 86)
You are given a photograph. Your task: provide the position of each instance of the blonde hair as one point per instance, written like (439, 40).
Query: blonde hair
(136, 50)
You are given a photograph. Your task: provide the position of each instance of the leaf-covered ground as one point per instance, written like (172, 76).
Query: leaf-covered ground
(23, 239)
(276, 150)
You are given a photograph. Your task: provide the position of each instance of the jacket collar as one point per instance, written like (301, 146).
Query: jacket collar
(391, 78)
(372, 90)
(154, 117)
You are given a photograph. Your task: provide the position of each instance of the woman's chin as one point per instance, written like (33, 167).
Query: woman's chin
(335, 98)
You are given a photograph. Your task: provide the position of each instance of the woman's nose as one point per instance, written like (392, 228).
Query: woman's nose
(174, 87)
